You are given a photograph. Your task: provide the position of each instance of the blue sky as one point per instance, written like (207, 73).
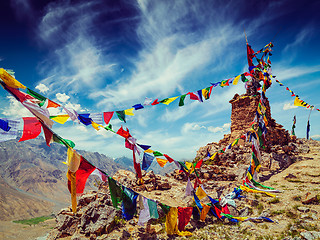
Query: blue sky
(98, 56)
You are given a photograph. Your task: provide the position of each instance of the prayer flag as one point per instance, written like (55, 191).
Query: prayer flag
(162, 162)
(250, 55)
(236, 79)
(153, 211)
(308, 129)
(200, 193)
(52, 104)
(36, 95)
(193, 96)
(21, 96)
(199, 94)
(12, 132)
(60, 118)
(204, 212)
(148, 151)
(168, 158)
(121, 115)
(137, 106)
(97, 118)
(136, 165)
(124, 133)
(31, 128)
(171, 224)
(155, 102)
(9, 80)
(82, 174)
(184, 215)
(48, 134)
(107, 116)
(73, 160)
(144, 212)
(4, 125)
(189, 188)
(42, 114)
(129, 203)
(147, 101)
(144, 147)
(85, 119)
(181, 101)
(167, 101)
(198, 165)
(115, 192)
(73, 190)
(146, 161)
(157, 154)
(73, 115)
(129, 112)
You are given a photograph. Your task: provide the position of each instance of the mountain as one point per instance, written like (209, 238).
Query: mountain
(31, 170)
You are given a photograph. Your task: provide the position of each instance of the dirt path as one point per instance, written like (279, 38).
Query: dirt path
(10, 230)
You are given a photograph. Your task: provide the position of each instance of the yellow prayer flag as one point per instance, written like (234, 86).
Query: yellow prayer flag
(72, 178)
(297, 102)
(213, 156)
(96, 125)
(240, 218)
(205, 93)
(9, 80)
(148, 151)
(200, 193)
(188, 164)
(236, 80)
(73, 160)
(162, 162)
(204, 212)
(169, 100)
(244, 188)
(60, 118)
(129, 112)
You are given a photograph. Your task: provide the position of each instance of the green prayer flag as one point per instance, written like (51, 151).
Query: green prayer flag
(37, 96)
(181, 102)
(66, 142)
(165, 208)
(153, 209)
(115, 192)
(121, 115)
(243, 78)
(157, 154)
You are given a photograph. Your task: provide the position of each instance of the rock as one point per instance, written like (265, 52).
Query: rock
(303, 209)
(290, 176)
(310, 235)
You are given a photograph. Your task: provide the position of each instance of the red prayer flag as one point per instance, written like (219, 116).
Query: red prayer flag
(184, 215)
(250, 55)
(52, 104)
(123, 133)
(198, 165)
(21, 96)
(155, 102)
(168, 158)
(48, 134)
(137, 166)
(107, 117)
(82, 174)
(31, 128)
(129, 145)
(193, 96)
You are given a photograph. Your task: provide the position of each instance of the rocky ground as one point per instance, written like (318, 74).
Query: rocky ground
(293, 169)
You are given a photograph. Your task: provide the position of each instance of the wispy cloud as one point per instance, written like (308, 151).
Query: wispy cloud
(288, 106)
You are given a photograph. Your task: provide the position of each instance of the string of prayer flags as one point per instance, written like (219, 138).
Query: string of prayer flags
(9, 80)
(31, 128)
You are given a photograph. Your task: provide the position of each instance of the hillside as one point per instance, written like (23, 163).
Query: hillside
(32, 170)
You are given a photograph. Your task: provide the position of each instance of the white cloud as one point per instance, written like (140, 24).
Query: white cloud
(316, 136)
(15, 109)
(82, 128)
(42, 88)
(187, 127)
(288, 106)
(223, 128)
(283, 72)
(62, 97)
